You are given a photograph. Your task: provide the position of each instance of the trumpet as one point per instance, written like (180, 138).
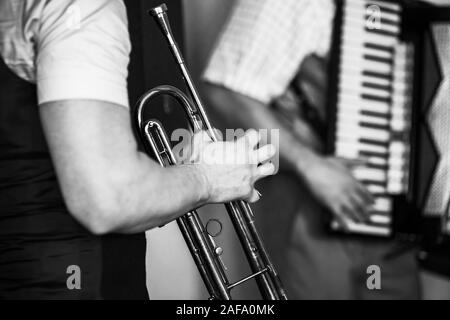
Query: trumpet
(205, 252)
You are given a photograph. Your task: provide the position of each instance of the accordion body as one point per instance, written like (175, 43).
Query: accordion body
(389, 106)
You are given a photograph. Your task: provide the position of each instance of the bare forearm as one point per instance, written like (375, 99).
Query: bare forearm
(109, 186)
(152, 196)
(106, 183)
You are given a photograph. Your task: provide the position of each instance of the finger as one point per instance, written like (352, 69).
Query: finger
(252, 137)
(265, 153)
(255, 196)
(361, 208)
(365, 194)
(350, 210)
(200, 138)
(352, 163)
(264, 170)
(343, 222)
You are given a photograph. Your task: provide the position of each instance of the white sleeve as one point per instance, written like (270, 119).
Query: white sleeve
(83, 51)
(264, 43)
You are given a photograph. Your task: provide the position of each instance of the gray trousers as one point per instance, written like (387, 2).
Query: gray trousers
(315, 264)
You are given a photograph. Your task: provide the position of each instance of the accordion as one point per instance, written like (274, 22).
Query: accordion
(389, 106)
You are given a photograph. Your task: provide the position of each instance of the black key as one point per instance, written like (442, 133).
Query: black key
(375, 74)
(374, 126)
(383, 167)
(372, 97)
(374, 142)
(379, 47)
(381, 213)
(376, 86)
(371, 57)
(382, 155)
(367, 182)
(375, 114)
(382, 32)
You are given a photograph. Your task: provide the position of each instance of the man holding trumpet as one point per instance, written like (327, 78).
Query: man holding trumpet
(70, 169)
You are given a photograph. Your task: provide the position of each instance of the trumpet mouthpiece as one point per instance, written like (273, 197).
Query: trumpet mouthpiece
(158, 10)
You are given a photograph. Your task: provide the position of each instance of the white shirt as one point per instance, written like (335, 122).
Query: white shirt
(72, 49)
(264, 42)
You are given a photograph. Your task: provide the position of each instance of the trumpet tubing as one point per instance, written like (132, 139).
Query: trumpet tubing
(205, 252)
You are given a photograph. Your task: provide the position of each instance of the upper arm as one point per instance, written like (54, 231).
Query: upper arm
(92, 148)
(82, 54)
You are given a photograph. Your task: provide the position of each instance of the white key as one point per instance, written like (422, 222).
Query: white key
(382, 4)
(396, 162)
(383, 204)
(396, 175)
(347, 131)
(356, 22)
(361, 228)
(397, 148)
(374, 160)
(400, 99)
(398, 125)
(353, 33)
(359, 24)
(360, 10)
(344, 87)
(353, 153)
(353, 116)
(401, 66)
(353, 60)
(348, 101)
(354, 76)
(380, 219)
(396, 188)
(352, 147)
(375, 188)
(354, 140)
(361, 51)
(360, 68)
(363, 173)
(401, 113)
(400, 86)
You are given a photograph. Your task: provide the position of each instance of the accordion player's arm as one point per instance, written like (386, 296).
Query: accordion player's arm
(327, 178)
(301, 129)
(236, 110)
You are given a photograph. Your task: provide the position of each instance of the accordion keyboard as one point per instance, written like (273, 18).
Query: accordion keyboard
(373, 105)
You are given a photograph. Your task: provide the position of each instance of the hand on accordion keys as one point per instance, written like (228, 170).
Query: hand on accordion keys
(331, 182)
(231, 168)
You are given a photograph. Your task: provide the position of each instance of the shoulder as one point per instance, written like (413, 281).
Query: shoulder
(27, 24)
(83, 51)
